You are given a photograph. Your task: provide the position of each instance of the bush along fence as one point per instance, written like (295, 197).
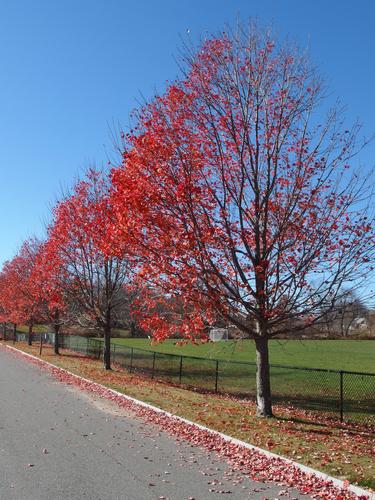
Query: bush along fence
(347, 395)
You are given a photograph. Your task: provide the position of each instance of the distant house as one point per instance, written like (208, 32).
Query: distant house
(358, 324)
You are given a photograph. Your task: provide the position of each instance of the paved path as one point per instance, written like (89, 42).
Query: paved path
(59, 443)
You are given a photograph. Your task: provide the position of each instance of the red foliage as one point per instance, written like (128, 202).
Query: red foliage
(237, 206)
(48, 275)
(21, 295)
(90, 281)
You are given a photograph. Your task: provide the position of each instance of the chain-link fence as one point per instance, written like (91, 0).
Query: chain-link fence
(347, 395)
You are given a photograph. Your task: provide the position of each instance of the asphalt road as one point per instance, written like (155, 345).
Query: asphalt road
(57, 442)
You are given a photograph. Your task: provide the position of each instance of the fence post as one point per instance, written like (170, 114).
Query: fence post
(153, 365)
(131, 360)
(341, 395)
(41, 345)
(216, 374)
(181, 369)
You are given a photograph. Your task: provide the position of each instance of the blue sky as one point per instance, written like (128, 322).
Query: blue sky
(71, 69)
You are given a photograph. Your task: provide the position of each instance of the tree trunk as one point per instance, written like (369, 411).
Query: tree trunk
(264, 403)
(107, 347)
(14, 332)
(30, 335)
(4, 331)
(56, 327)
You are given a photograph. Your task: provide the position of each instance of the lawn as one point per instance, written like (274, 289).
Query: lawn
(351, 355)
(234, 373)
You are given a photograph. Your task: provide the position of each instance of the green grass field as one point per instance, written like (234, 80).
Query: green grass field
(350, 355)
(235, 371)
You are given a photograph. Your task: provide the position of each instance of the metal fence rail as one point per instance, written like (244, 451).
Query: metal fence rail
(347, 395)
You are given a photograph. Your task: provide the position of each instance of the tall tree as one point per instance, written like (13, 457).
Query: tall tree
(92, 282)
(238, 201)
(21, 293)
(4, 315)
(8, 314)
(50, 280)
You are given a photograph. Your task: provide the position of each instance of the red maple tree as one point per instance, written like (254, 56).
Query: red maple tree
(49, 278)
(91, 282)
(21, 295)
(4, 313)
(238, 202)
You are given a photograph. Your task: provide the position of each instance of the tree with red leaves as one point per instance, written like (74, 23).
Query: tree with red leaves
(21, 298)
(49, 279)
(238, 202)
(4, 315)
(7, 315)
(91, 282)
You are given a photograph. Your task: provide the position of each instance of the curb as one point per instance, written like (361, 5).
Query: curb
(304, 468)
